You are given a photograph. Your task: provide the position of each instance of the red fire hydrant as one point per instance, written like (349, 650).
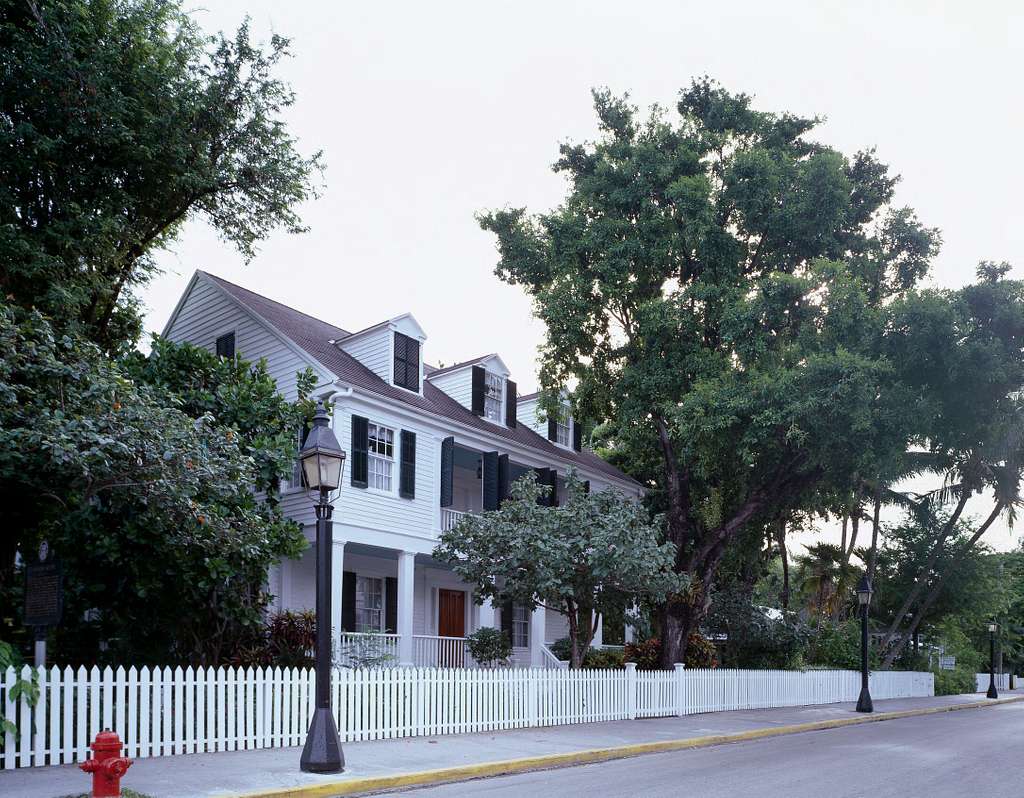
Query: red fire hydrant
(107, 765)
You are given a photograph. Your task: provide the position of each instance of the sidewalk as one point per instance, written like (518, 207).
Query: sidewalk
(270, 770)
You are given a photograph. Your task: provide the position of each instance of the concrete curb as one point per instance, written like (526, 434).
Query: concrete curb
(370, 784)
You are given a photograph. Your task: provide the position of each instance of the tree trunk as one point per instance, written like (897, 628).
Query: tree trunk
(784, 555)
(937, 585)
(933, 556)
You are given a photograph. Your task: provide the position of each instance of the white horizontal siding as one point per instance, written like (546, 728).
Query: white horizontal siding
(373, 350)
(458, 385)
(208, 312)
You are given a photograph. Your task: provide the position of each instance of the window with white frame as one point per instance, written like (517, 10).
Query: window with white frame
(562, 429)
(380, 451)
(494, 390)
(520, 627)
(369, 604)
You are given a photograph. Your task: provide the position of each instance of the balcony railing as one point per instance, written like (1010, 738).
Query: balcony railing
(449, 518)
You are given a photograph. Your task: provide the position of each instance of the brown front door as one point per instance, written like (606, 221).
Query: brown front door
(451, 622)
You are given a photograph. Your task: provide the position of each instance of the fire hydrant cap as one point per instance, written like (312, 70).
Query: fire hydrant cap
(107, 740)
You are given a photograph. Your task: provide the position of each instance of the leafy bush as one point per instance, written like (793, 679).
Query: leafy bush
(837, 645)
(286, 639)
(604, 659)
(597, 658)
(700, 653)
(755, 639)
(955, 682)
(489, 647)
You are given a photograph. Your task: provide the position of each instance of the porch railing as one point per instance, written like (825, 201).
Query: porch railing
(367, 650)
(435, 651)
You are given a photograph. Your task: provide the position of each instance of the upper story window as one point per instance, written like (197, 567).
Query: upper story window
(380, 451)
(300, 438)
(494, 391)
(226, 345)
(407, 362)
(562, 437)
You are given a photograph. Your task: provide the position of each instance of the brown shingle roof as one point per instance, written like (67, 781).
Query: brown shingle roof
(313, 336)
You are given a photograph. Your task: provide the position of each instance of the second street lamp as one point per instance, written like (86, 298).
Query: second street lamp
(992, 692)
(864, 703)
(323, 462)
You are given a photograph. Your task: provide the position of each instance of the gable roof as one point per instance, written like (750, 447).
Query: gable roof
(314, 337)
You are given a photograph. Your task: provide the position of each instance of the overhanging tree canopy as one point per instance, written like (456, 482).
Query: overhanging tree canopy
(709, 289)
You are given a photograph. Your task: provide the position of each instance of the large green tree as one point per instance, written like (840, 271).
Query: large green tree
(708, 291)
(120, 121)
(142, 479)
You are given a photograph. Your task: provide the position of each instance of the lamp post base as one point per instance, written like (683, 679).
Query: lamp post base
(322, 751)
(992, 693)
(864, 703)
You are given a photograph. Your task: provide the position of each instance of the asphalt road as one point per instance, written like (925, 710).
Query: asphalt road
(971, 753)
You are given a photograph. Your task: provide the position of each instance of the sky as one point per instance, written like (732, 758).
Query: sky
(428, 113)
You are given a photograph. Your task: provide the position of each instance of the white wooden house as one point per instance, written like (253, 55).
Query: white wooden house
(424, 444)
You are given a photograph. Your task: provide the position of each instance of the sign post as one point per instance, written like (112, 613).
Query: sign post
(44, 598)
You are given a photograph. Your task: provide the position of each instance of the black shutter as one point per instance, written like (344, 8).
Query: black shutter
(412, 363)
(543, 479)
(506, 621)
(511, 399)
(577, 436)
(348, 601)
(504, 478)
(398, 364)
(477, 405)
(586, 486)
(390, 605)
(552, 429)
(553, 482)
(360, 442)
(490, 480)
(407, 475)
(447, 470)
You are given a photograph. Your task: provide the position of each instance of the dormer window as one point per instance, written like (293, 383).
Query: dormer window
(562, 429)
(494, 387)
(407, 362)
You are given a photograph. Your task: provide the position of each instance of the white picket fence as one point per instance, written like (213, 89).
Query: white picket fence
(1002, 682)
(159, 712)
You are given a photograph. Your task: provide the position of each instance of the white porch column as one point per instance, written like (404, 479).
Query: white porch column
(598, 640)
(538, 623)
(485, 615)
(337, 568)
(406, 582)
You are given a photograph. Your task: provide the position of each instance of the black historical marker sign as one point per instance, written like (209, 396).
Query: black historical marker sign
(44, 594)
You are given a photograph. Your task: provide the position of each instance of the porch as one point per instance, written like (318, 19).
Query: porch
(402, 608)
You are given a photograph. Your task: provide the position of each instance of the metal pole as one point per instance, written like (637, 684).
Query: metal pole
(992, 692)
(864, 703)
(322, 752)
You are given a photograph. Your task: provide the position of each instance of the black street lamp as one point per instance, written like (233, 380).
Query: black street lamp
(323, 462)
(992, 692)
(864, 703)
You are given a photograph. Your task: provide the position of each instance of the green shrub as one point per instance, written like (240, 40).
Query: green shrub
(596, 658)
(286, 639)
(955, 682)
(490, 647)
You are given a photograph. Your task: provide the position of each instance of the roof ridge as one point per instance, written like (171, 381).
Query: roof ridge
(273, 301)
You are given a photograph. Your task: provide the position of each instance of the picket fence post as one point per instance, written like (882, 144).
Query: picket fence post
(631, 686)
(680, 677)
